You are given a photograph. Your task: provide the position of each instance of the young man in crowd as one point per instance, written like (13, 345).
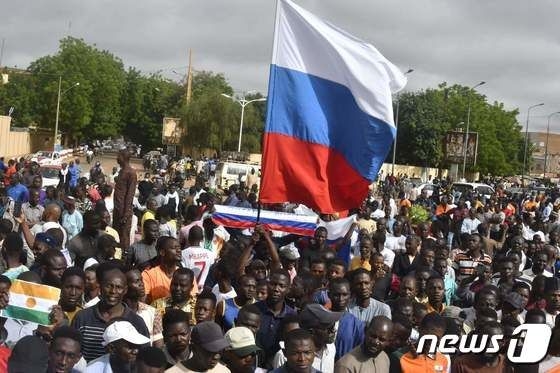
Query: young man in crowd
(363, 306)
(369, 356)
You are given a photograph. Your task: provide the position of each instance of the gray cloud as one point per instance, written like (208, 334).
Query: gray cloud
(513, 45)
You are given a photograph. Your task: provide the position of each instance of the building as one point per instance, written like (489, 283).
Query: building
(538, 141)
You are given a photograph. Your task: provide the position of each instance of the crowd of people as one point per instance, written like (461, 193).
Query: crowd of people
(150, 283)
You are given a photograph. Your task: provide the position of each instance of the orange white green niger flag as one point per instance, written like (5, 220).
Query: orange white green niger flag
(31, 302)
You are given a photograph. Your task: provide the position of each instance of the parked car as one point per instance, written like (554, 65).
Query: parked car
(461, 189)
(47, 158)
(427, 186)
(228, 173)
(50, 175)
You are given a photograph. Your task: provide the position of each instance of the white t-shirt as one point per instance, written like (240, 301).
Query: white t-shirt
(199, 260)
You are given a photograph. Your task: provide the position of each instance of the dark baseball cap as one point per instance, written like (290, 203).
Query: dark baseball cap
(315, 316)
(30, 354)
(209, 336)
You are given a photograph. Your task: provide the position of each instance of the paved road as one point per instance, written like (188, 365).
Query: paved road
(108, 161)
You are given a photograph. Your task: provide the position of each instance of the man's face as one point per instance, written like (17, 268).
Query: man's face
(177, 337)
(377, 338)
(422, 280)
(486, 300)
(38, 249)
(64, 353)
(335, 271)
(54, 269)
(517, 243)
(181, 287)
(278, 287)
(473, 242)
(539, 262)
(34, 198)
(428, 256)
(204, 310)
(262, 292)
(300, 355)
(135, 285)
(400, 337)
(362, 286)
(440, 266)
(91, 280)
(205, 359)
(506, 270)
(553, 299)
(320, 237)
(408, 312)
(407, 288)
(113, 288)
(247, 287)
(378, 263)
(125, 351)
(339, 294)
(411, 245)
(365, 248)
(435, 291)
(151, 232)
(249, 320)
(72, 291)
(171, 251)
(241, 364)
(318, 270)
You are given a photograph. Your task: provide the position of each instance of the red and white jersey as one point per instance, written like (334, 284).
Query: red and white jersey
(199, 260)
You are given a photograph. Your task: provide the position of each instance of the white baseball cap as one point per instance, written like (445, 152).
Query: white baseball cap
(123, 330)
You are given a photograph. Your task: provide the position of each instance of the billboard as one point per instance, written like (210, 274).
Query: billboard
(171, 132)
(454, 147)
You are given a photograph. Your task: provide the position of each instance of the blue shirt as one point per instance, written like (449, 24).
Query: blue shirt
(350, 333)
(18, 193)
(73, 223)
(268, 334)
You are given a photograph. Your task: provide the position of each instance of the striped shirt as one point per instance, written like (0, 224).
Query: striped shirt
(91, 326)
(466, 264)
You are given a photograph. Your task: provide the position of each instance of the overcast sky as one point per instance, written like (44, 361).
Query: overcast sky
(513, 45)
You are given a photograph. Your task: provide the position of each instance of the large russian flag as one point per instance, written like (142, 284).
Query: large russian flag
(329, 122)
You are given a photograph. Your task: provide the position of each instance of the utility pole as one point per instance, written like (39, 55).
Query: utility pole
(188, 94)
(2, 51)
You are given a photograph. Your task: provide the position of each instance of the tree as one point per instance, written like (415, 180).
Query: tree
(426, 116)
(91, 110)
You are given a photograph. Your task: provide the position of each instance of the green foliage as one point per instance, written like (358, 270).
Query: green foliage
(426, 116)
(213, 120)
(418, 214)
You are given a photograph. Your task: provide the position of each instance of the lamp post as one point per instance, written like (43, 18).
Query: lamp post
(397, 127)
(243, 103)
(58, 108)
(526, 142)
(546, 145)
(468, 126)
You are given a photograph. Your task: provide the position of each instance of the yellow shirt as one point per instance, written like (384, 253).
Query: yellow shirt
(357, 262)
(147, 216)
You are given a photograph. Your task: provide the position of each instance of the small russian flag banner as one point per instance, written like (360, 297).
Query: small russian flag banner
(242, 218)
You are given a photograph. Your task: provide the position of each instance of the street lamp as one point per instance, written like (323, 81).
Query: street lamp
(397, 128)
(243, 103)
(526, 142)
(58, 108)
(546, 145)
(468, 125)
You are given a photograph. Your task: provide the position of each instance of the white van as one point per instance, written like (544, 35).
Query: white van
(229, 173)
(460, 189)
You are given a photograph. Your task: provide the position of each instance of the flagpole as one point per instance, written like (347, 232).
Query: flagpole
(269, 96)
